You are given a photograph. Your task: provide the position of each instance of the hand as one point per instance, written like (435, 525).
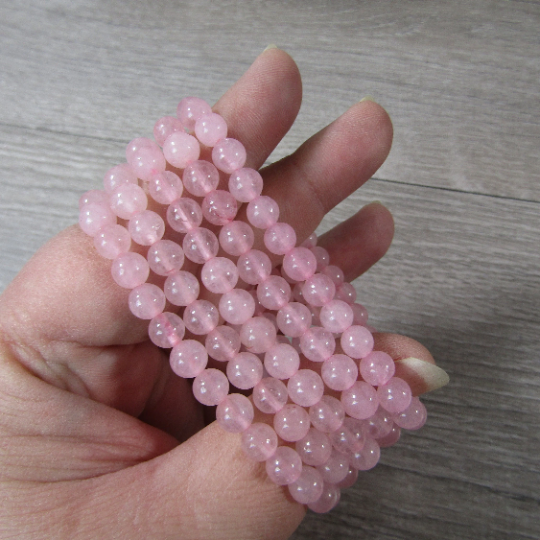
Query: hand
(91, 415)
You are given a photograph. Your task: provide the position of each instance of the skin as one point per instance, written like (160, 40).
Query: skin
(98, 438)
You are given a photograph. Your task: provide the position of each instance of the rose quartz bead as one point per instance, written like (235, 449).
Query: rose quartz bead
(184, 215)
(165, 187)
(269, 395)
(181, 288)
(222, 343)
(349, 480)
(350, 437)
(339, 372)
(281, 361)
(299, 264)
(366, 458)
(200, 245)
(190, 109)
(357, 341)
(390, 439)
(413, 417)
(274, 292)
(336, 316)
(284, 466)
(127, 200)
(335, 274)
(201, 317)
(360, 400)
(112, 241)
(346, 292)
(259, 441)
(318, 290)
(200, 178)
(327, 415)
(305, 387)
(360, 314)
(395, 396)
(235, 413)
(166, 330)
(165, 257)
(328, 500)
(258, 335)
(210, 387)
(377, 368)
(317, 344)
(335, 469)
(236, 238)
(219, 207)
(297, 291)
(229, 155)
(94, 196)
(254, 267)
(315, 448)
(280, 238)
(262, 212)
(146, 301)
(118, 175)
(210, 129)
(237, 306)
(291, 423)
(130, 270)
(310, 241)
(164, 127)
(146, 228)
(181, 149)
(245, 184)
(378, 425)
(188, 359)
(245, 371)
(294, 319)
(145, 158)
(94, 217)
(322, 256)
(309, 486)
(219, 275)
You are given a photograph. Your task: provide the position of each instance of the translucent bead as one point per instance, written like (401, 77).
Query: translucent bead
(181, 288)
(317, 344)
(145, 158)
(222, 343)
(210, 129)
(349, 480)
(390, 439)
(262, 212)
(236, 238)
(184, 215)
(127, 200)
(166, 330)
(229, 155)
(219, 207)
(146, 228)
(327, 415)
(318, 290)
(350, 437)
(259, 442)
(235, 413)
(377, 368)
(395, 396)
(310, 241)
(322, 256)
(254, 267)
(346, 292)
(188, 359)
(335, 274)
(130, 270)
(165, 187)
(118, 175)
(165, 257)
(366, 458)
(112, 241)
(309, 486)
(245, 371)
(94, 196)
(379, 425)
(305, 387)
(164, 127)
(274, 292)
(299, 264)
(315, 448)
(200, 245)
(93, 217)
(269, 395)
(291, 423)
(190, 109)
(280, 238)
(237, 306)
(413, 417)
(284, 466)
(328, 500)
(360, 314)
(293, 319)
(339, 372)
(336, 316)
(245, 184)
(146, 301)
(200, 178)
(219, 275)
(281, 361)
(181, 149)
(201, 317)
(335, 469)
(210, 387)
(360, 400)
(357, 341)
(258, 335)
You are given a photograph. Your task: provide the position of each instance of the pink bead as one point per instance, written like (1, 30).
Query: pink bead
(166, 330)
(395, 396)
(294, 319)
(329, 499)
(336, 316)
(245, 184)
(229, 155)
(269, 395)
(188, 359)
(315, 448)
(335, 274)
(346, 292)
(190, 109)
(165, 257)
(305, 388)
(274, 293)
(299, 264)
(262, 212)
(130, 270)
(184, 215)
(145, 158)
(297, 290)
(165, 187)
(254, 267)
(94, 217)
(310, 241)
(210, 387)
(309, 486)
(335, 469)
(366, 458)
(413, 417)
(339, 372)
(259, 442)
(94, 196)
(112, 241)
(322, 256)
(235, 413)
(350, 437)
(164, 127)
(284, 467)
(219, 207)
(281, 361)
(390, 439)
(201, 317)
(357, 341)
(377, 368)
(291, 423)
(318, 290)
(200, 245)
(378, 425)
(236, 238)
(317, 344)
(181, 149)
(360, 400)
(350, 479)
(200, 178)
(181, 288)
(327, 415)
(360, 314)
(219, 275)
(146, 228)
(118, 175)
(127, 200)
(280, 238)
(210, 129)
(237, 306)
(245, 371)
(258, 335)
(146, 301)
(222, 343)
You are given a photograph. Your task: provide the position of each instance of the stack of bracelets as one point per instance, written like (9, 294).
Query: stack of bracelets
(290, 333)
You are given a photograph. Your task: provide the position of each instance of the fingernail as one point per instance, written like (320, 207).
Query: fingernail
(368, 98)
(271, 46)
(422, 376)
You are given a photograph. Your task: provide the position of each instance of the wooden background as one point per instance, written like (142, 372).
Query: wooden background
(79, 78)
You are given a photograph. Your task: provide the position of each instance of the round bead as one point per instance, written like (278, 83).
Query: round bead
(377, 368)
(360, 314)
(219, 275)
(93, 217)
(294, 319)
(349, 480)
(112, 241)
(282, 361)
(146, 228)
(181, 149)
(210, 387)
(184, 215)
(395, 396)
(258, 335)
(269, 395)
(360, 400)
(336, 316)
(378, 425)
(165, 257)
(335, 274)
(259, 441)
(413, 417)
(118, 175)
(280, 238)
(317, 344)
(210, 128)
(222, 343)
(166, 330)
(219, 207)
(335, 469)
(130, 270)
(329, 499)
(357, 341)
(145, 158)
(94, 196)
(327, 415)
(274, 293)
(236, 238)
(315, 448)
(181, 288)
(346, 292)
(291, 423)
(339, 372)
(284, 467)
(146, 301)
(164, 127)
(254, 267)
(229, 155)
(235, 413)
(201, 317)
(310, 241)
(322, 256)
(309, 486)
(200, 178)
(390, 439)
(305, 387)
(350, 437)
(200, 245)
(237, 306)
(245, 184)
(366, 458)
(165, 187)
(127, 200)
(188, 359)
(245, 370)
(318, 290)
(299, 264)
(190, 109)
(262, 212)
